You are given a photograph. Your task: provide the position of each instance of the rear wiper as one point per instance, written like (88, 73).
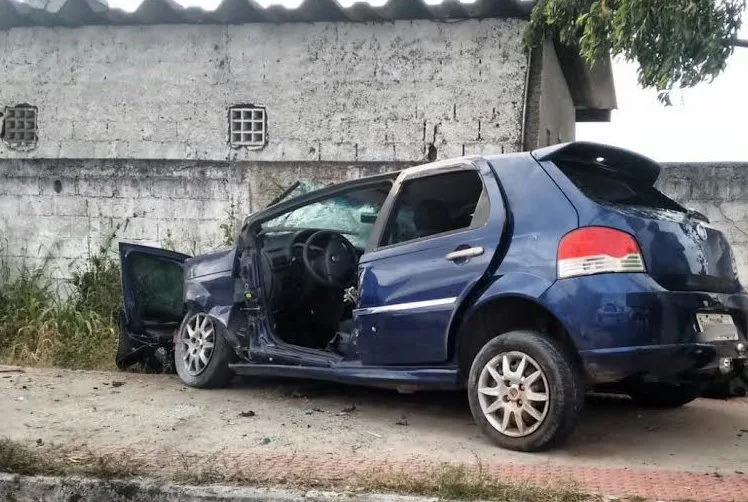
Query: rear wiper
(285, 193)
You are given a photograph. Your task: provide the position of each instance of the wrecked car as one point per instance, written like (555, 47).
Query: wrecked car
(525, 279)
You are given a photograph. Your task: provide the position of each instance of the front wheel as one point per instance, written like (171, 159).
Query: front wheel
(201, 353)
(525, 391)
(663, 395)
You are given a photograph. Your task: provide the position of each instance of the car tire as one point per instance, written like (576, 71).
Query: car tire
(663, 395)
(548, 420)
(198, 364)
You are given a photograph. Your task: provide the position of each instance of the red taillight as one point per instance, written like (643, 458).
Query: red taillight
(598, 250)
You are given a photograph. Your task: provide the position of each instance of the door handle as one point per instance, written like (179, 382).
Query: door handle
(463, 254)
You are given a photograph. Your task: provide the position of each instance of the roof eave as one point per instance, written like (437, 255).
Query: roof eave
(73, 13)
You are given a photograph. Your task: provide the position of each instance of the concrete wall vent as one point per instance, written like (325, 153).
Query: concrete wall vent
(19, 126)
(248, 126)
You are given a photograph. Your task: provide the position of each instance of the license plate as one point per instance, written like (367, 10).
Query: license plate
(716, 327)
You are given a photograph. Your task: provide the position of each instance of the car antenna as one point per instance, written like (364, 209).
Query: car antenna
(285, 193)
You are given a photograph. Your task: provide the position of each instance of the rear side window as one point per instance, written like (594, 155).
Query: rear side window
(609, 186)
(435, 205)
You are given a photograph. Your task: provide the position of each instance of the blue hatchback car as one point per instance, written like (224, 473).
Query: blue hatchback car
(525, 279)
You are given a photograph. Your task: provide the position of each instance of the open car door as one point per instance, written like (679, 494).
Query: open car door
(152, 299)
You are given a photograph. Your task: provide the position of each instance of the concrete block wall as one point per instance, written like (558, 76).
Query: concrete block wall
(66, 209)
(719, 191)
(333, 91)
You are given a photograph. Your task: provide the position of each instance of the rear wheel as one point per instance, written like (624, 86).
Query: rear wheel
(201, 353)
(525, 392)
(663, 395)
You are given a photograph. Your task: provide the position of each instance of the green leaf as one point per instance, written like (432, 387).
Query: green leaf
(676, 43)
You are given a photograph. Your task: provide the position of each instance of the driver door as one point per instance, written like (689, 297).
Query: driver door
(438, 233)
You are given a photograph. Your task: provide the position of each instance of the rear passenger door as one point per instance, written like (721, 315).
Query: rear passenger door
(435, 238)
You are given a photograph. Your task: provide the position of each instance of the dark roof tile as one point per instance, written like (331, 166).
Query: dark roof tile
(14, 13)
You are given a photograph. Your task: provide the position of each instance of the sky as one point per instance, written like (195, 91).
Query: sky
(705, 123)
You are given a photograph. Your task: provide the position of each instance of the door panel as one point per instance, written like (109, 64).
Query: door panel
(408, 291)
(152, 288)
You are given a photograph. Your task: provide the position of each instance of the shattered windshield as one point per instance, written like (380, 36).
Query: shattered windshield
(352, 214)
(296, 188)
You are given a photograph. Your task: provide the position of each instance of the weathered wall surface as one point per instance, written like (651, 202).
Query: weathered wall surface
(719, 191)
(67, 208)
(333, 91)
(550, 113)
(556, 118)
(184, 203)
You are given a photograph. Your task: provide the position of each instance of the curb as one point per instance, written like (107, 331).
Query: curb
(59, 489)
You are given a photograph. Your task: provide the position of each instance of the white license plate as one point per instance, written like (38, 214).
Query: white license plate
(716, 327)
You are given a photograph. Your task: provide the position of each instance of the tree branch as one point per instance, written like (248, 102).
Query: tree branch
(741, 43)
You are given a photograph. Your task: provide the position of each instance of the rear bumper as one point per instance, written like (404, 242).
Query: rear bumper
(685, 362)
(628, 326)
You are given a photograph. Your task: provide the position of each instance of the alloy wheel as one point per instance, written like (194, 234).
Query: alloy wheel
(513, 394)
(198, 340)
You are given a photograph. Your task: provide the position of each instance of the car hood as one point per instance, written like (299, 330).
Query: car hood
(210, 263)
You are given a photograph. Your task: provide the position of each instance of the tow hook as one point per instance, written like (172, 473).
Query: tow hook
(725, 365)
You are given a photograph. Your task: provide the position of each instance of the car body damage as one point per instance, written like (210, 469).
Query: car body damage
(152, 293)
(525, 279)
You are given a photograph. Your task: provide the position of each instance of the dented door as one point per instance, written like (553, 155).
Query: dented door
(152, 291)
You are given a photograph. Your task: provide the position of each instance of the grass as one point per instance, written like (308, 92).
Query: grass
(43, 325)
(459, 482)
(16, 458)
(451, 482)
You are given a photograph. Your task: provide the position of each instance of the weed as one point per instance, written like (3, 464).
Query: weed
(208, 470)
(230, 226)
(19, 459)
(109, 467)
(97, 283)
(169, 242)
(450, 482)
(41, 324)
(458, 482)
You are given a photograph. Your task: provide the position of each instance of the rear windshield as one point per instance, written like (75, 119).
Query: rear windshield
(608, 186)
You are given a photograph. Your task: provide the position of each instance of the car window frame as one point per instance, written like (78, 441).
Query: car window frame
(664, 202)
(331, 197)
(390, 205)
(256, 220)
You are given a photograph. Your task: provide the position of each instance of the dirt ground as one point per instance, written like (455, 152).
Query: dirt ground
(159, 412)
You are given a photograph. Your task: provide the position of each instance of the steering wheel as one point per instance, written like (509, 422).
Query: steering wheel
(335, 263)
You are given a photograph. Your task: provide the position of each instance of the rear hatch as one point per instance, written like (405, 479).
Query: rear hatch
(615, 188)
